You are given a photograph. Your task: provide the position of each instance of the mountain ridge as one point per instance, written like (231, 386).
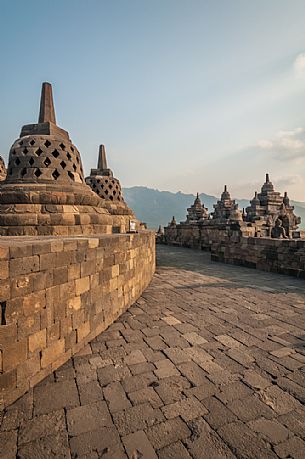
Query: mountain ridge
(155, 207)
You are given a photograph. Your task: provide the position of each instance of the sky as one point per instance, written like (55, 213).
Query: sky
(186, 95)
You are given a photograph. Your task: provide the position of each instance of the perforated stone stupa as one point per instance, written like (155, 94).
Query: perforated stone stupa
(45, 190)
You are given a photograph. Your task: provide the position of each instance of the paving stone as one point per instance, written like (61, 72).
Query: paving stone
(165, 369)
(293, 447)
(205, 443)
(138, 417)
(205, 390)
(90, 392)
(53, 397)
(278, 400)
(188, 408)
(42, 426)
(156, 343)
(148, 394)
(192, 372)
(8, 445)
(133, 383)
(171, 320)
(50, 446)
(234, 391)
(272, 430)
(135, 357)
(294, 421)
(218, 414)
(255, 380)
(250, 408)
(104, 440)
(165, 433)
(171, 389)
(194, 339)
(88, 418)
(228, 341)
(174, 451)
(116, 397)
(177, 355)
(244, 442)
(141, 368)
(137, 445)
(112, 373)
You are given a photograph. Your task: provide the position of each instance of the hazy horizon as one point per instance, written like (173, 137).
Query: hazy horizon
(186, 96)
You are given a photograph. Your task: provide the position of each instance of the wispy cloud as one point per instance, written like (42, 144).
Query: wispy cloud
(286, 145)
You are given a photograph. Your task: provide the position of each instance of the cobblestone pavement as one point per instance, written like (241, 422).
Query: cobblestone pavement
(209, 363)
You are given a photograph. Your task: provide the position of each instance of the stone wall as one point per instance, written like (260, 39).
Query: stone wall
(285, 256)
(57, 294)
(235, 244)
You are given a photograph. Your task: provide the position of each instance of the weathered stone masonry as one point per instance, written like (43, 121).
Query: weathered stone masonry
(57, 294)
(69, 263)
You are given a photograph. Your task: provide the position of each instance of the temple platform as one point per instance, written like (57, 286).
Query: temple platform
(208, 363)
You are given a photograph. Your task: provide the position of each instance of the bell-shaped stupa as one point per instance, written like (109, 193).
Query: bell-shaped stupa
(45, 192)
(108, 188)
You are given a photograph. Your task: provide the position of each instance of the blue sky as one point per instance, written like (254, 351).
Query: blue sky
(186, 95)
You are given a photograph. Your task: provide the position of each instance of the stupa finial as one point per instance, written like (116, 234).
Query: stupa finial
(47, 111)
(267, 178)
(102, 161)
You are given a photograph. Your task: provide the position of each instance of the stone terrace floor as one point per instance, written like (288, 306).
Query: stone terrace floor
(209, 363)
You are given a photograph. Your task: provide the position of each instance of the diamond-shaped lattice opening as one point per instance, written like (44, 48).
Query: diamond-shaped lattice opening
(74, 167)
(55, 153)
(62, 146)
(114, 192)
(23, 172)
(69, 156)
(13, 152)
(117, 187)
(106, 192)
(31, 161)
(71, 175)
(10, 171)
(56, 174)
(21, 143)
(32, 142)
(17, 162)
(47, 143)
(98, 181)
(63, 164)
(38, 173)
(72, 149)
(77, 159)
(110, 186)
(94, 186)
(106, 181)
(47, 162)
(102, 186)
(25, 151)
(38, 151)
(113, 182)
(111, 198)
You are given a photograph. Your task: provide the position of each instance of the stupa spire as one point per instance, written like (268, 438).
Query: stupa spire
(47, 111)
(102, 161)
